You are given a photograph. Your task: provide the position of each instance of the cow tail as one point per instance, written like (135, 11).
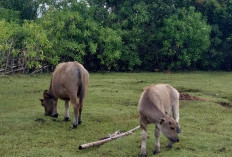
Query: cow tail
(81, 95)
(83, 87)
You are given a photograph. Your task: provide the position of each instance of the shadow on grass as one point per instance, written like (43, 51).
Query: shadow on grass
(225, 104)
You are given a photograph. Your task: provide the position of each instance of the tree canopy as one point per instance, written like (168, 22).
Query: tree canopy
(119, 35)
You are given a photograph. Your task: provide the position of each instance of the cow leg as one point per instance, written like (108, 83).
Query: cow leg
(79, 117)
(66, 117)
(76, 107)
(80, 109)
(175, 109)
(81, 100)
(157, 141)
(144, 138)
(54, 112)
(76, 112)
(81, 95)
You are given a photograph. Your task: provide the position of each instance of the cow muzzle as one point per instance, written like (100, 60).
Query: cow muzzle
(174, 140)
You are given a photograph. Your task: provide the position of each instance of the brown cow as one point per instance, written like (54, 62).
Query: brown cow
(156, 105)
(69, 82)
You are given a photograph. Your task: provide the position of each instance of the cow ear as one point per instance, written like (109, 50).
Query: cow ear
(45, 91)
(45, 94)
(161, 121)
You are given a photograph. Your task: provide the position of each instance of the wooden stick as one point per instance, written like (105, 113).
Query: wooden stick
(2, 70)
(8, 72)
(110, 135)
(97, 143)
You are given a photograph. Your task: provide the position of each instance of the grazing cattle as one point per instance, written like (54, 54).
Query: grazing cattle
(69, 82)
(156, 105)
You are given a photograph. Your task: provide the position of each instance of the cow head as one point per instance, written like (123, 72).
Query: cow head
(48, 102)
(170, 128)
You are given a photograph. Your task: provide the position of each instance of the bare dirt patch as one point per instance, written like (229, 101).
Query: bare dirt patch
(186, 96)
(188, 90)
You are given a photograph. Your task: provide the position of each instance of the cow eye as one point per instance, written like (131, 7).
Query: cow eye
(172, 128)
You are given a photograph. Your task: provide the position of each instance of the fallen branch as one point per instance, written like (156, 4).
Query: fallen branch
(2, 70)
(12, 71)
(110, 135)
(39, 69)
(7, 70)
(97, 143)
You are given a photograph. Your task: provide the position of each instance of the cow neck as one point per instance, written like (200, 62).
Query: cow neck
(50, 91)
(161, 115)
(158, 112)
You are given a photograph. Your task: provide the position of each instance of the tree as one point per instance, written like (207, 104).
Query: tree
(73, 37)
(183, 39)
(27, 8)
(35, 44)
(8, 43)
(223, 19)
(10, 15)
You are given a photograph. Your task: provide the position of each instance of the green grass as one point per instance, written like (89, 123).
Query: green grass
(111, 104)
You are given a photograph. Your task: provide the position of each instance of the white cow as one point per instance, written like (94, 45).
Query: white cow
(157, 104)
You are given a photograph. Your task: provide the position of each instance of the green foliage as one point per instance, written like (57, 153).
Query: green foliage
(8, 40)
(26, 8)
(64, 35)
(35, 42)
(121, 35)
(9, 15)
(8, 29)
(218, 14)
(110, 50)
(73, 37)
(184, 37)
(223, 19)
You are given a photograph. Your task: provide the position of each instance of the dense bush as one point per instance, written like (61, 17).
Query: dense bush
(184, 37)
(117, 35)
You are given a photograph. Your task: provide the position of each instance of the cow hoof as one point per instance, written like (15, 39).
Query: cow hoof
(66, 119)
(142, 155)
(79, 122)
(156, 152)
(169, 146)
(74, 126)
(55, 115)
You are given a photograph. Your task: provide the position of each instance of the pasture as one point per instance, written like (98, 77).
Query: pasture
(111, 104)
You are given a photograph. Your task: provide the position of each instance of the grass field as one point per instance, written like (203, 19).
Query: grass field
(111, 104)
